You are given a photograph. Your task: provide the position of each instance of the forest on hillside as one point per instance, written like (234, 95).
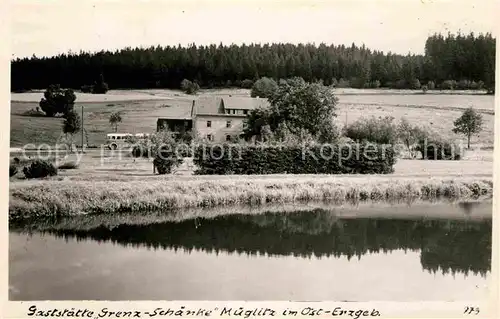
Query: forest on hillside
(450, 61)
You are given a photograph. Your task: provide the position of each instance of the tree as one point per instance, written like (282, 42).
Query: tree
(303, 105)
(264, 88)
(255, 121)
(446, 57)
(246, 84)
(469, 123)
(410, 135)
(381, 130)
(71, 125)
(57, 100)
(114, 119)
(189, 87)
(100, 87)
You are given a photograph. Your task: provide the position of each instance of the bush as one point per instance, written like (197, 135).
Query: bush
(34, 112)
(12, 170)
(165, 160)
(343, 83)
(463, 84)
(358, 82)
(57, 100)
(448, 85)
(264, 88)
(474, 85)
(480, 85)
(425, 88)
(376, 130)
(189, 87)
(375, 84)
(400, 85)
(415, 84)
(431, 85)
(68, 165)
(87, 88)
(437, 148)
(246, 84)
(294, 159)
(100, 87)
(141, 151)
(40, 169)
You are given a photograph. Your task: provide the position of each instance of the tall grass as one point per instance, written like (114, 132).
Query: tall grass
(63, 198)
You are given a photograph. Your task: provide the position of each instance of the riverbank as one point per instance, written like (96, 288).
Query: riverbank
(69, 198)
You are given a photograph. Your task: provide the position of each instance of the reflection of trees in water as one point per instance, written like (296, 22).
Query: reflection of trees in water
(448, 245)
(468, 207)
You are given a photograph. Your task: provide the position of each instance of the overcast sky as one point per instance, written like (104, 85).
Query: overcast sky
(51, 27)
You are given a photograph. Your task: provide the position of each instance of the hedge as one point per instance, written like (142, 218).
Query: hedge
(439, 150)
(166, 160)
(246, 160)
(39, 169)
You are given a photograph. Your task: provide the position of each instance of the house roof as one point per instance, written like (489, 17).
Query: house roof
(244, 103)
(211, 105)
(208, 105)
(177, 111)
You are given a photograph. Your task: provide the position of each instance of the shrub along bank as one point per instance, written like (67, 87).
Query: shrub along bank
(314, 159)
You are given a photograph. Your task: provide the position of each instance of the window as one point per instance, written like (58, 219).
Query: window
(245, 112)
(209, 123)
(228, 111)
(228, 138)
(228, 124)
(234, 111)
(209, 137)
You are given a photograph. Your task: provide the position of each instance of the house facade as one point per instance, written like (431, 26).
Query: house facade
(217, 119)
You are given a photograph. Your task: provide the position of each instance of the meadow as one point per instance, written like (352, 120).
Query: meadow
(114, 182)
(141, 108)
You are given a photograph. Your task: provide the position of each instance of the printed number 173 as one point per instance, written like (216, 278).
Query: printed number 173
(471, 310)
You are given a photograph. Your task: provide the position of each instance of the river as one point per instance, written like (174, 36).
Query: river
(438, 252)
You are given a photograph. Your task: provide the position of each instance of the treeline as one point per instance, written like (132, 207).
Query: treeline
(468, 60)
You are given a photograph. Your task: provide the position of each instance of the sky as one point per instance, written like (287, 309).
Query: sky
(49, 27)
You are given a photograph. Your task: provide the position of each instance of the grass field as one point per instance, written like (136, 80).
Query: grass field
(141, 108)
(114, 182)
(110, 182)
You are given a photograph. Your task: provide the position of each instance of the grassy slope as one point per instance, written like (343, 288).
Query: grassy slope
(140, 116)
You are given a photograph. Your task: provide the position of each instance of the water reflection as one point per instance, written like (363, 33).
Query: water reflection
(449, 246)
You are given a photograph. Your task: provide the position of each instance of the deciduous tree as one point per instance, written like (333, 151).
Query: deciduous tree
(468, 124)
